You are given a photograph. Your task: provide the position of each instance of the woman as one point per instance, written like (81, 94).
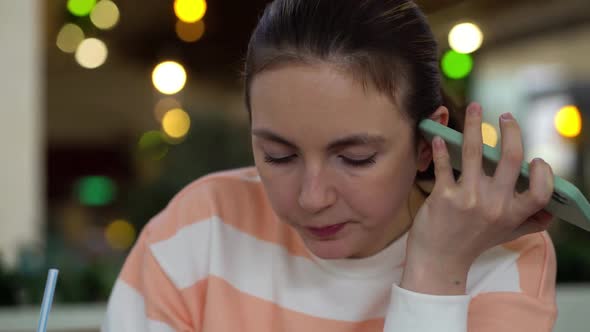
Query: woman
(333, 229)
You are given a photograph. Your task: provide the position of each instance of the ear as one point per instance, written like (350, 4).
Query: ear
(424, 152)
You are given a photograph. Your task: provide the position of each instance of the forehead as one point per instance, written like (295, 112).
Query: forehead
(308, 98)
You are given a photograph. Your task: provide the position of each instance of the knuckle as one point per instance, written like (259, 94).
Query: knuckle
(440, 159)
(468, 202)
(495, 212)
(540, 198)
(513, 156)
(472, 150)
(446, 196)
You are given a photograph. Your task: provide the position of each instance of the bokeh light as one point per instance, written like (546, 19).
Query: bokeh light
(69, 37)
(164, 105)
(489, 134)
(568, 121)
(80, 7)
(105, 15)
(96, 190)
(456, 65)
(169, 77)
(190, 32)
(91, 53)
(190, 11)
(152, 145)
(176, 123)
(120, 234)
(465, 38)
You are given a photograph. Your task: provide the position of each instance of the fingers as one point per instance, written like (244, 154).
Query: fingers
(443, 170)
(508, 168)
(540, 190)
(472, 147)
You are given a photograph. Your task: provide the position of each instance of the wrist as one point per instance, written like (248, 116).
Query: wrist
(436, 276)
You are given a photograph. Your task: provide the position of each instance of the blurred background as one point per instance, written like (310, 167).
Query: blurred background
(108, 108)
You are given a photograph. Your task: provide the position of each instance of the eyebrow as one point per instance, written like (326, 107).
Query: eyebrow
(338, 144)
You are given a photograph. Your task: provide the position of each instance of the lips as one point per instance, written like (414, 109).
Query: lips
(327, 231)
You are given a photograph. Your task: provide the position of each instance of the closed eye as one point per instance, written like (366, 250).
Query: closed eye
(281, 160)
(359, 162)
(349, 161)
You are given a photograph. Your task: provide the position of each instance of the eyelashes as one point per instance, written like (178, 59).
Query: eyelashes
(351, 162)
(283, 160)
(359, 162)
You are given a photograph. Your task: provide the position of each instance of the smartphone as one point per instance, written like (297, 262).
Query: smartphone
(567, 203)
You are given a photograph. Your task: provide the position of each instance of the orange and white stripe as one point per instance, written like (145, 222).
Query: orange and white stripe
(218, 259)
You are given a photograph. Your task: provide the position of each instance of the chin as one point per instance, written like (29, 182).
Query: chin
(329, 249)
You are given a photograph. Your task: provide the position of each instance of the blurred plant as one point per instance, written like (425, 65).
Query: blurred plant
(8, 286)
(214, 143)
(88, 267)
(572, 248)
(79, 280)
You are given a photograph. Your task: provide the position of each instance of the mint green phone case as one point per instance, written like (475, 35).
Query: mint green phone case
(567, 203)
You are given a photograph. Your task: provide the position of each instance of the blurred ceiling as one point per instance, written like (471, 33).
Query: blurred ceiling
(146, 33)
(118, 98)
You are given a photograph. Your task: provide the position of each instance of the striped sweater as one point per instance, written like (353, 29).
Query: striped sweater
(218, 259)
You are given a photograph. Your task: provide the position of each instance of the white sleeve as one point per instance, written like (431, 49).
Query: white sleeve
(411, 311)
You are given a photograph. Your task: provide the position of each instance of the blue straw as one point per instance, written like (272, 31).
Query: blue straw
(47, 299)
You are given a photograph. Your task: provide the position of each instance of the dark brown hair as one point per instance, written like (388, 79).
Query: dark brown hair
(387, 44)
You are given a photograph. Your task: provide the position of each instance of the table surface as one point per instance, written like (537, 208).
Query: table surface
(573, 301)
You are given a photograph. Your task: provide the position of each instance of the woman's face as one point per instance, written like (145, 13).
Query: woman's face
(336, 159)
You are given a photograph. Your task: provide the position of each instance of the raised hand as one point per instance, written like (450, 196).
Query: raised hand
(462, 219)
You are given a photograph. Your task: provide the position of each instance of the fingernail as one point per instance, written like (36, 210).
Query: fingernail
(538, 160)
(507, 116)
(475, 110)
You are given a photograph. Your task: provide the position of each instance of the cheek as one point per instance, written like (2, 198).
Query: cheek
(379, 198)
(281, 191)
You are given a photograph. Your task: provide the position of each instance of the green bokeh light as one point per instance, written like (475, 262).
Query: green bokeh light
(81, 7)
(96, 190)
(456, 65)
(153, 145)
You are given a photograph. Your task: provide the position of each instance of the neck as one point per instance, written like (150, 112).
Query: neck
(404, 219)
(413, 203)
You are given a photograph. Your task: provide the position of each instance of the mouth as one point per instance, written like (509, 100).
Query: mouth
(326, 231)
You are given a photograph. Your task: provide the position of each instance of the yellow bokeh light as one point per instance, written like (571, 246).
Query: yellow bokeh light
(465, 38)
(568, 121)
(120, 234)
(105, 15)
(489, 134)
(163, 106)
(91, 53)
(169, 77)
(176, 123)
(190, 32)
(190, 11)
(69, 37)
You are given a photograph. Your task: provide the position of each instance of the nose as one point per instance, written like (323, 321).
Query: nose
(316, 193)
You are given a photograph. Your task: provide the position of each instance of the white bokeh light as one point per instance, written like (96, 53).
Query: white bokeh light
(169, 77)
(465, 38)
(105, 15)
(91, 53)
